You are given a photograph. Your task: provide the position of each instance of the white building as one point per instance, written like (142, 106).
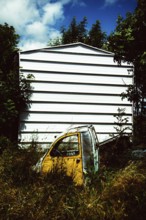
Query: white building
(73, 84)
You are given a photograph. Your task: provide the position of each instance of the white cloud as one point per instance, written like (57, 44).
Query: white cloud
(31, 44)
(34, 20)
(110, 2)
(36, 30)
(18, 13)
(52, 12)
(78, 2)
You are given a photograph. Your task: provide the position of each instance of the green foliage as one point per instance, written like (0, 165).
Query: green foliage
(122, 193)
(133, 95)
(16, 164)
(121, 41)
(115, 153)
(121, 122)
(77, 32)
(5, 143)
(128, 44)
(55, 42)
(14, 88)
(116, 195)
(139, 130)
(95, 36)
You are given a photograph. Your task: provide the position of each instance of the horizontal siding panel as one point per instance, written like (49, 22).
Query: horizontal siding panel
(46, 107)
(96, 99)
(45, 133)
(37, 137)
(51, 137)
(36, 117)
(53, 87)
(104, 137)
(58, 128)
(69, 68)
(81, 78)
(73, 84)
(75, 58)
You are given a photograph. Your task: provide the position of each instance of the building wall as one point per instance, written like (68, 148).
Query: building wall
(73, 85)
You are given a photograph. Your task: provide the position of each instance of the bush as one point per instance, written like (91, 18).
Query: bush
(16, 164)
(116, 153)
(125, 196)
(5, 143)
(110, 195)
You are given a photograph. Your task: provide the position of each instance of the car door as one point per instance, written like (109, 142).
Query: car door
(66, 155)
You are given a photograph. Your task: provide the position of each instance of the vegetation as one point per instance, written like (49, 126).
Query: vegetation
(118, 190)
(77, 32)
(112, 194)
(13, 87)
(128, 44)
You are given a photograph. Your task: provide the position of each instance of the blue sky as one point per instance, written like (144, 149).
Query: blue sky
(105, 11)
(37, 21)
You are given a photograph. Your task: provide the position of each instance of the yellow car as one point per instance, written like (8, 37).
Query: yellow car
(75, 152)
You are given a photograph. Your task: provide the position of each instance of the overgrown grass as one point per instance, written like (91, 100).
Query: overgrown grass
(110, 195)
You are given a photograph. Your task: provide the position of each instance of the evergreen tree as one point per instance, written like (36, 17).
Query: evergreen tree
(77, 32)
(95, 36)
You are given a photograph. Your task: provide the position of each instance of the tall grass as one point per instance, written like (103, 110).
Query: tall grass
(109, 195)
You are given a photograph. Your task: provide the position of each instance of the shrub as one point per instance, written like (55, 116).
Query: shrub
(110, 195)
(125, 196)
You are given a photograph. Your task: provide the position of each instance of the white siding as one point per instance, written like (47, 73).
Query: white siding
(61, 57)
(66, 118)
(78, 98)
(79, 48)
(78, 88)
(51, 128)
(76, 108)
(123, 80)
(74, 68)
(73, 84)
